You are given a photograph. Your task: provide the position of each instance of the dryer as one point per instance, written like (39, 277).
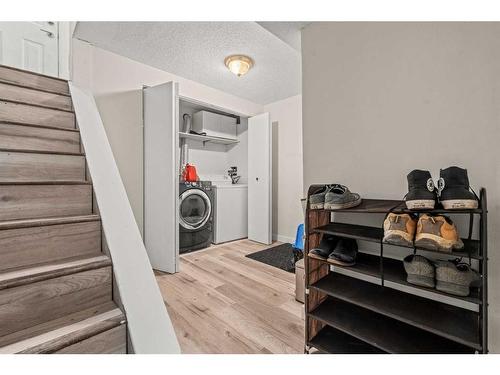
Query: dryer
(195, 215)
(230, 211)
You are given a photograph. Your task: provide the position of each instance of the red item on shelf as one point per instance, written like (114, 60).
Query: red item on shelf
(189, 173)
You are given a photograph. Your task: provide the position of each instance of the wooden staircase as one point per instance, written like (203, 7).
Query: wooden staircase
(56, 283)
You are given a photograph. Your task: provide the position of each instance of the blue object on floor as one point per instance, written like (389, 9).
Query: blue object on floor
(299, 238)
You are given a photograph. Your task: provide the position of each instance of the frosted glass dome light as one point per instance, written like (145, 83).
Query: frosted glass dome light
(238, 64)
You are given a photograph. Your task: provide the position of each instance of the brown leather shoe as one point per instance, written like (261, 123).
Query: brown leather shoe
(437, 233)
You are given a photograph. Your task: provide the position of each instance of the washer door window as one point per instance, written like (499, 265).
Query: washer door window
(195, 209)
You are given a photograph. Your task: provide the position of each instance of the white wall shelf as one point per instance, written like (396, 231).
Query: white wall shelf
(206, 138)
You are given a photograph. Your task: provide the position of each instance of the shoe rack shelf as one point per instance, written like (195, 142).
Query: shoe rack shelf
(361, 232)
(371, 308)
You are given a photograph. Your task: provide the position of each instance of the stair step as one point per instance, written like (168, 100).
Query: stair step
(33, 80)
(47, 182)
(38, 126)
(51, 270)
(31, 151)
(43, 199)
(56, 285)
(27, 243)
(46, 221)
(38, 295)
(36, 97)
(35, 139)
(28, 166)
(112, 341)
(54, 324)
(29, 114)
(71, 333)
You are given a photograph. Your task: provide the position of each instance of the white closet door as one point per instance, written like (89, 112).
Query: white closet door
(260, 179)
(30, 45)
(161, 168)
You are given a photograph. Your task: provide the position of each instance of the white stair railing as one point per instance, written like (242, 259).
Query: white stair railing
(149, 324)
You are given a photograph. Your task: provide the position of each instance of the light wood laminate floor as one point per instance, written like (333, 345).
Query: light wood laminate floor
(223, 302)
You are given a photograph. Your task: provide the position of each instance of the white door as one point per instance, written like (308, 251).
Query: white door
(30, 45)
(161, 171)
(260, 179)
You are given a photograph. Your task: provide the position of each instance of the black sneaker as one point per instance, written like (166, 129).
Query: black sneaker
(326, 246)
(421, 192)
(345, 252)
(454, 189)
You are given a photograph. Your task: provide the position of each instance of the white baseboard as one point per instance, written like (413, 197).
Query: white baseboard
(280, 238)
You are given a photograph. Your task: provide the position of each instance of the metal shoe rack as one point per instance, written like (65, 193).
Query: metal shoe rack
(371, 308)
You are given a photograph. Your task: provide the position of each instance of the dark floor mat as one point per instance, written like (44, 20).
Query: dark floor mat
(281, 256)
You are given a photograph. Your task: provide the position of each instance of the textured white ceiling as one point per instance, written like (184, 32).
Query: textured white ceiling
(196, 51)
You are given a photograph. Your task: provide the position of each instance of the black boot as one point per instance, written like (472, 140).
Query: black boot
(454, 189)
(421, 192)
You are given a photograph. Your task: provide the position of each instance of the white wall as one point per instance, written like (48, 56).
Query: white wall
(381, 99)
(116, 83)
(286, 116)
(64, 47)
(215, 159)
(237, 154)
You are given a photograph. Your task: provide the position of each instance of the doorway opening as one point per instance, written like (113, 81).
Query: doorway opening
(40, 47)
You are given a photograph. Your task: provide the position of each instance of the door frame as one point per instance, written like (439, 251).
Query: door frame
(175, 167)
(64, 33)
(216, 107)
(65, 44)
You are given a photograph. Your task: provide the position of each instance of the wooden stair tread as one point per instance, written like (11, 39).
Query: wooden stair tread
(30, 114)
(34, 104)
(55, 324)
(57, 334)
(21, 138)
(36, 74)
(56, 284)
(28, 95)
(11, 224)
(33, 80)
(37, 88)
(21, 166)
(74, 130)
(49, 182)
(28, 151)
(33, 242)
(41, 199)
(52, 270)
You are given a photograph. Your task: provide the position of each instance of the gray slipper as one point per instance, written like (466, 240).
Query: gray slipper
(420, 271)
(455, 278)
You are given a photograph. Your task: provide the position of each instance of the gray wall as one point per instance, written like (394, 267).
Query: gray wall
(381, 99)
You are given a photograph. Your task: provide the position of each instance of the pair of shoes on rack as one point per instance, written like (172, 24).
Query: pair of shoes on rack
(336, 250)
(449, 276)
(433, 232)
(334, 197)
(453, 190)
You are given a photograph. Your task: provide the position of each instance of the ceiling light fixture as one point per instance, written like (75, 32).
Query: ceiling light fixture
(238, 64)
